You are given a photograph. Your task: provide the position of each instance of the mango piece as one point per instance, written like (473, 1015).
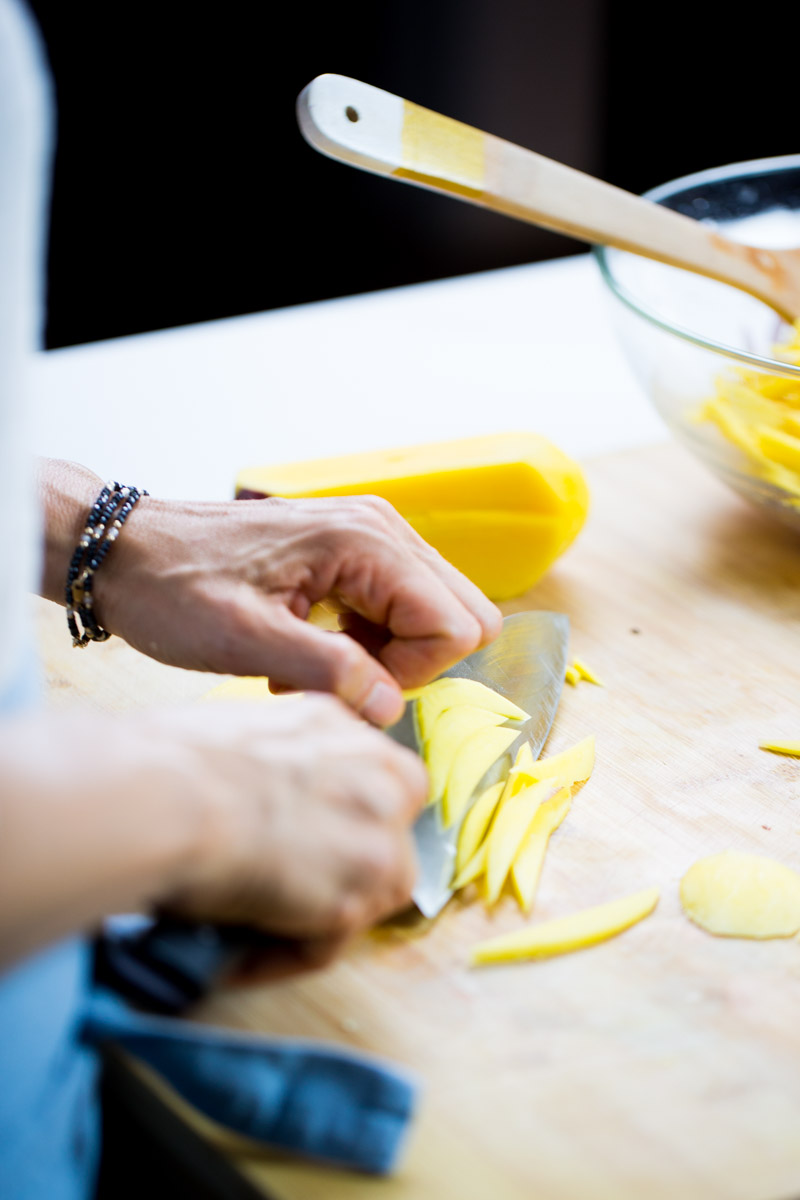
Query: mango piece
(501, 507)
(742, 895)
(504, 553)
(569, 768)
(246, 687)
(476, 823)
(474, 759)
(564, 934)
(790, 748)
(511, 824)
(781, 447)
(473, 869)
(451, 730)
(446, 693)
(571, 675)
(586, 672)
(527, 865)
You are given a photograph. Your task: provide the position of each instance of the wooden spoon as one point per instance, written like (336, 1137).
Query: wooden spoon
(379, 132)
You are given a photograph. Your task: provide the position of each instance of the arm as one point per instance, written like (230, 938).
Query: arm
(197, 811)
(227, 587)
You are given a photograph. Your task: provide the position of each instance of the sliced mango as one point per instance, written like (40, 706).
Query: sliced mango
(529, 859)
(500, 507)
(790, 748)
(509, 828)
(742, 895)
(570, 767)
(449, 734)
(473, 869)
(571, 675)
(476, 756)
(564, 934)
(476, 823)
(437, 697)
(758, 413)
(586, 672)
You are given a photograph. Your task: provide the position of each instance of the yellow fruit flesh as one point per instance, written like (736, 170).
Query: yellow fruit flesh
(476, 823)
(501, 508)
(529, 859)
(449, 735)
(570, 767)
(474, 759)
(790, 748)
(247, 687)
(760, 415)
(568, 933)
(742, 895)
(509, 828)
(586, 672)
(435, 698)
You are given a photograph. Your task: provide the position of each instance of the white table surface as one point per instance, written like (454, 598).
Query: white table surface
(182, 410)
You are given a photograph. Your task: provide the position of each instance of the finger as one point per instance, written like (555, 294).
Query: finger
(306, 658)
(283, 958)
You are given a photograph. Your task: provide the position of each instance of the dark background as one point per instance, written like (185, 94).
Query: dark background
(183, 190)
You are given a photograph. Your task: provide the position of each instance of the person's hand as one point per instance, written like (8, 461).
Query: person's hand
(227, 588)
(292, 818)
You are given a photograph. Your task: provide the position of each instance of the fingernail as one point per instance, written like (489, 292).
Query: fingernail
(384, 704)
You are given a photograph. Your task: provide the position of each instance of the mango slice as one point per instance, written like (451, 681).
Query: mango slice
(508, 830)
(564, 934)
(435, 698)
(742, 895)
(501, 507)
(586, 672)
(529, 859)
(476, 823)
(569, 768)
(790, 748)
(473, 869)
(571, 675)
(474, 759)
(449, 734)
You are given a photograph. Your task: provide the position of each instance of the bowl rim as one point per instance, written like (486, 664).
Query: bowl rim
(711, 175)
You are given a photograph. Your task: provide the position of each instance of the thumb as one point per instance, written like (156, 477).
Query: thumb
(305, 657)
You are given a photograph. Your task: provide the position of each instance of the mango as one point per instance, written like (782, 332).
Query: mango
(511, 823)
(501, 507)
(529, 859)
(448, 736)
(473, 760)
(742, 895)
(568, 933)
(792, 749)
(476, 823)
(435, 698)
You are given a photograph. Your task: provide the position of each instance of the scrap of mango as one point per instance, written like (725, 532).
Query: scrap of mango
(501, 508)
(742, 895)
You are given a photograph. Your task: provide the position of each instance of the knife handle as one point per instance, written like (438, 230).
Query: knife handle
(379, 132)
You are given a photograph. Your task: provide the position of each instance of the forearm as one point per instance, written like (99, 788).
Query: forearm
(85, 829)
(67, 492)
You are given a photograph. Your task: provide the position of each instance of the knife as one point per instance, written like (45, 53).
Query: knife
(169, 964)
(526, 664)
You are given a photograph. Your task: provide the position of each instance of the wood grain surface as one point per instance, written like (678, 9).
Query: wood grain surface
(665, 1063)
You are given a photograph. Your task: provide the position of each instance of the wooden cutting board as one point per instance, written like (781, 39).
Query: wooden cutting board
(665, 1063)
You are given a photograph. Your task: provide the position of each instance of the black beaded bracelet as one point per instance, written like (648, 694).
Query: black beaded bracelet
(107, 516)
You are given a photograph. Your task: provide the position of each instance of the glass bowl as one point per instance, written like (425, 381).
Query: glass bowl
(707, 354)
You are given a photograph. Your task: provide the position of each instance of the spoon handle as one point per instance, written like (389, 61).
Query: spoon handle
(372, 129)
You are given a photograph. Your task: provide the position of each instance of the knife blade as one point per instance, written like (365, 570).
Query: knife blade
(526, 664)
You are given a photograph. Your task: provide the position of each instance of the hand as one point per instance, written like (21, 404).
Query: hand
(293, 818)
(310, 816)
(227, 588)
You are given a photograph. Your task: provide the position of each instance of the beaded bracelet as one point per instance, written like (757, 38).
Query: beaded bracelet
(107, 516)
